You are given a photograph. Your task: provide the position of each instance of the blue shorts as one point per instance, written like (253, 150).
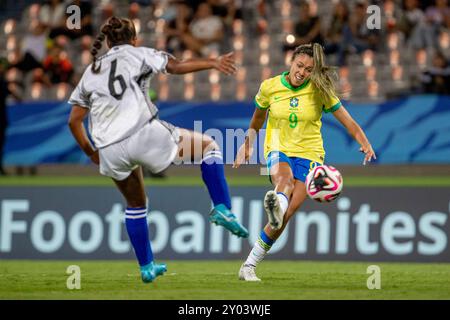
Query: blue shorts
(300, 167)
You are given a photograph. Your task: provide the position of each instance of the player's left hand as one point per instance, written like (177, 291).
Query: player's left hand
(243, 155)
(369, 153)
(226, 64)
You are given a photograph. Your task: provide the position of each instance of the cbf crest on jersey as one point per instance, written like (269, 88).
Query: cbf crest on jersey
(293, 102)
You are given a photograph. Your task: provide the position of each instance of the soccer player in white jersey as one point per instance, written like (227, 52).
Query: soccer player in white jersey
(127, 133)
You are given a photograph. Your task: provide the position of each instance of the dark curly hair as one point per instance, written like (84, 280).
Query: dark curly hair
(117, 31)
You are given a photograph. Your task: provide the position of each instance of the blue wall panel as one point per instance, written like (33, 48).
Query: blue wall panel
(411, 130)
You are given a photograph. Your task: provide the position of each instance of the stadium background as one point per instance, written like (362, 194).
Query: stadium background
(56, 210)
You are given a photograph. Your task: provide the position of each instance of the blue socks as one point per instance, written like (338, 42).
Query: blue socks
(136, 218)
(214, 177)
(137, 228)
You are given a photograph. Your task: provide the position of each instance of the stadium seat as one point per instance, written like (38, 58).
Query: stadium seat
(258, 49)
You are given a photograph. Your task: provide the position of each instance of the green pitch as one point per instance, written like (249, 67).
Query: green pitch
(355, 181)
(218, 280)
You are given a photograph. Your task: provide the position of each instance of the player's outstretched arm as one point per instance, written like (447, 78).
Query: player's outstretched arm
(224, 63)
(246, 150)
(78, 130)
(356, 132)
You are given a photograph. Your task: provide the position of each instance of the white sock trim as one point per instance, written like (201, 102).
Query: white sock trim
(284, 203)
(128, 211)
(136, 216)
(213, 154)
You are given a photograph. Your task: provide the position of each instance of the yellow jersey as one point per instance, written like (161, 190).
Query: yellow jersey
(294, 117)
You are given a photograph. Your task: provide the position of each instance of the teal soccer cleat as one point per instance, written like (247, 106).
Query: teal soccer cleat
(222, 216)
(152, 270)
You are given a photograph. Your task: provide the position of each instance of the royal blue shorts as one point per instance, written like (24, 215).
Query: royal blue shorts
(300, 167)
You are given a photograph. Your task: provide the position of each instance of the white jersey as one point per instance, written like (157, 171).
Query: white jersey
(117, 96)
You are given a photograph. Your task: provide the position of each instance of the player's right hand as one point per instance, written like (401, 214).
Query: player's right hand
(243, 155)
(95, 158)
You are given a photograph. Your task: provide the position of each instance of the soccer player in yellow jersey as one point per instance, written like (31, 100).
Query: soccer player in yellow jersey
(293, 103)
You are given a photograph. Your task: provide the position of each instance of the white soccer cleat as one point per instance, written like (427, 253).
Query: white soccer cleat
(247, 273)
(273, 210)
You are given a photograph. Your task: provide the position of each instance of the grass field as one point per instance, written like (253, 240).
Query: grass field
(352, 181)
(217, 280)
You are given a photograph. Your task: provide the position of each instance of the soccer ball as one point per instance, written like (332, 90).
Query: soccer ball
(324, 183)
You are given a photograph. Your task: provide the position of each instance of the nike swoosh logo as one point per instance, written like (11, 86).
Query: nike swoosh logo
(225, 217)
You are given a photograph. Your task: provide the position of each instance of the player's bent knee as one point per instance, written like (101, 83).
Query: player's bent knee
(209, 144)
